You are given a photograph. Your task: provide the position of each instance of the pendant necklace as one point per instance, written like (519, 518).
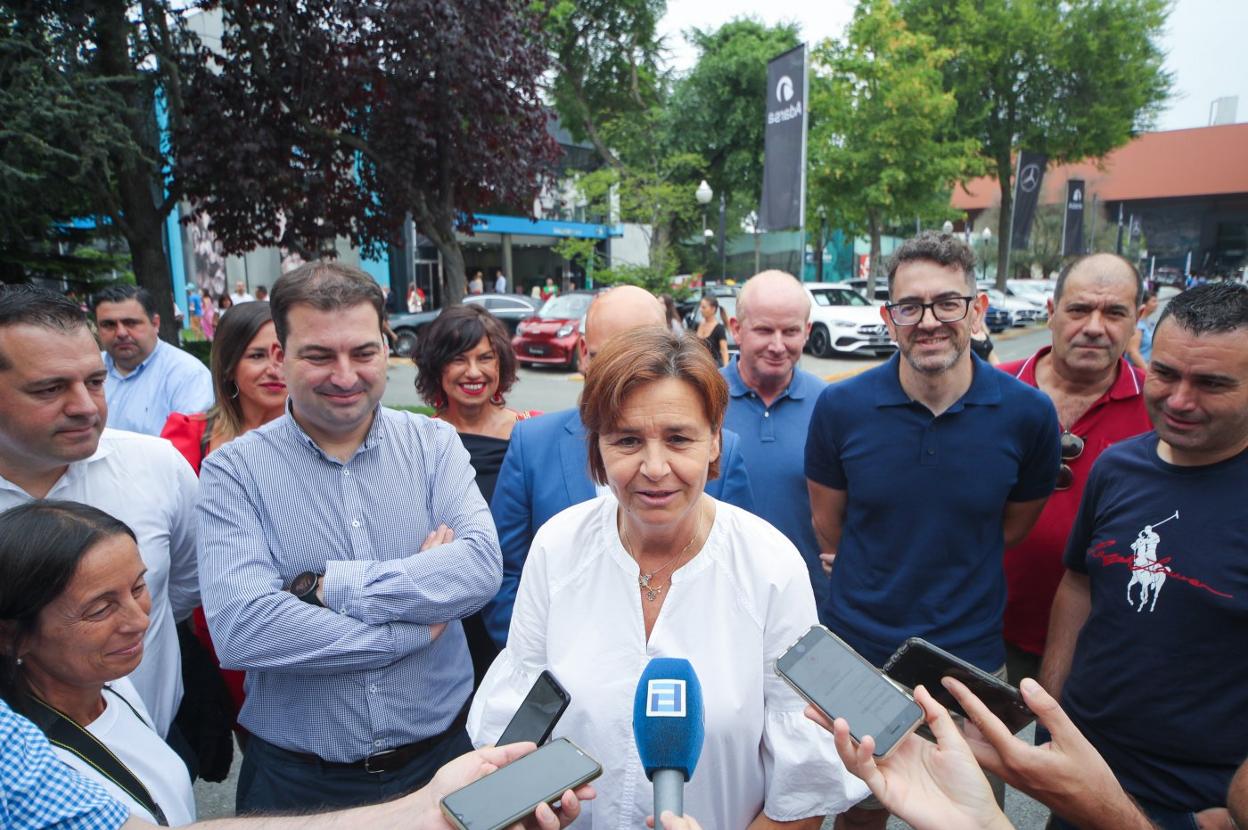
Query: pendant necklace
(643, 580)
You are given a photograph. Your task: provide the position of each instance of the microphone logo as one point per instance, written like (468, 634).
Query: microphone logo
(665, 698)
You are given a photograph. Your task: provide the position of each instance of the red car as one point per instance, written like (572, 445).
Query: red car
(551, 335)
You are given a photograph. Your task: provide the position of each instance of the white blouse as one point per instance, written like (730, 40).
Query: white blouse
(131, 738)
(731, 612)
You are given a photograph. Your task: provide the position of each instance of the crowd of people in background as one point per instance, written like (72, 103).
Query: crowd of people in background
(259, 551)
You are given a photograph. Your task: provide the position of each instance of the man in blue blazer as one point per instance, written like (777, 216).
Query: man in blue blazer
(546, 469)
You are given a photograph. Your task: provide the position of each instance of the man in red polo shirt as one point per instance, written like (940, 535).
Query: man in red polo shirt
(1098, 398)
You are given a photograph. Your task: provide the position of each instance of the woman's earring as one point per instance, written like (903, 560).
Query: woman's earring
(497, 400)
(235, 395)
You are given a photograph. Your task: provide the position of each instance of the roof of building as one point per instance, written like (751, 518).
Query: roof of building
(1205, 161)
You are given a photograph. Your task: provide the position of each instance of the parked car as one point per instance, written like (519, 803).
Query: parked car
(510, 308)
(1022, 311)
(550, 336)
(1037, 291)
(998, 319)
(881, 289)
(843, 321)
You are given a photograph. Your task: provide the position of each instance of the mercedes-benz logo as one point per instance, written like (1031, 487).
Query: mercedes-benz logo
(784, 90)
(1029, 179)
(1078, 196)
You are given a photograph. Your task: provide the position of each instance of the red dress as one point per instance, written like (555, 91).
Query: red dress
(187, 433)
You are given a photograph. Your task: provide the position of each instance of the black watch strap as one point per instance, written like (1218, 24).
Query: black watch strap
(304, 585)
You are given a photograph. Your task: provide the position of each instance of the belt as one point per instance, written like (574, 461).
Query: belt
(387, 760)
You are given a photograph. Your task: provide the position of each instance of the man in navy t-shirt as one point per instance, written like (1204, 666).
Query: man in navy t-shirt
(1149, 627)
(923, 470)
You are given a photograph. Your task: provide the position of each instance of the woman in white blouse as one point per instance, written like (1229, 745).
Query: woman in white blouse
(660, 569)
(73, 611)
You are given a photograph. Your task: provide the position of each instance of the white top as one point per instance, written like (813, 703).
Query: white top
(245, 297)
(149, 759)
(146, 483)
(731, 612)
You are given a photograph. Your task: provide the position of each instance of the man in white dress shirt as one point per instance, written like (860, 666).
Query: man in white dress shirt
(53, 444)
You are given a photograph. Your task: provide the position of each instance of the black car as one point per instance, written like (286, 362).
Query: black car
(510, 308)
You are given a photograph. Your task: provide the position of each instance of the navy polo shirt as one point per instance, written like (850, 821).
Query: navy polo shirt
(921, 546)
(773, 445)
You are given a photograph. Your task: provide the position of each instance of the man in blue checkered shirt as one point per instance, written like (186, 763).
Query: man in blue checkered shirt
(340, 545)
(38, 792)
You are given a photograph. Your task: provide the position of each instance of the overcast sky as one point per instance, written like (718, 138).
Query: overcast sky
(1204, 43)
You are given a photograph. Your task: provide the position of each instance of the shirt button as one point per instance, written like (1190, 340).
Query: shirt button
(346, 472)
(766, 414)
(355, 522)
(372, 688)
(377, 743)
(931, 452)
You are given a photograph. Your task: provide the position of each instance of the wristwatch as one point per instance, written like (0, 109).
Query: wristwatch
(304, 585)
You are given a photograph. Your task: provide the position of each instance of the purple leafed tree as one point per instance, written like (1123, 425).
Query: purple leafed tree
(319, 119)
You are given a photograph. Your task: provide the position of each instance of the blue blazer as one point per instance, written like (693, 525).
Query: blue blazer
(546, 471)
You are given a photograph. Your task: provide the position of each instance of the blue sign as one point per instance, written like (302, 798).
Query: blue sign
(519, 225)
(665, 699)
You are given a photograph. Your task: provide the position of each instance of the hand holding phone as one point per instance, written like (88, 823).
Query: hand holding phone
(918, 662)
(515, 791)
(840, 683)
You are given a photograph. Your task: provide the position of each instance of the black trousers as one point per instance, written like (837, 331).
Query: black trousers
(274, 780)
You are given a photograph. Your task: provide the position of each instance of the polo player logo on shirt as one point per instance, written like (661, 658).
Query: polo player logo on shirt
(1146, 570)
(1149, 570)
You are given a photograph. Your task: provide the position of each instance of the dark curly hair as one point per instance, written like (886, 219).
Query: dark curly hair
(455, 331)
(944, 249)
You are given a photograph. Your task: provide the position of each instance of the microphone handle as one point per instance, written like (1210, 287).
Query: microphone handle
(669, 792)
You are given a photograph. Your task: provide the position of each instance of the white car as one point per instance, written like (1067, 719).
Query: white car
(1023, 311)
(843, 321)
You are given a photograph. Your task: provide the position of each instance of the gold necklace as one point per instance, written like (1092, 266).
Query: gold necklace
(643, 580)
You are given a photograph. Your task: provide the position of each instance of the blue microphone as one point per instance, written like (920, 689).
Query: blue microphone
(668, 728)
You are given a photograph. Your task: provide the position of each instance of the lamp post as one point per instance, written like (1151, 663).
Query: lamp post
(823, 241)
(947, 227)
(987, 237)
(704, 194)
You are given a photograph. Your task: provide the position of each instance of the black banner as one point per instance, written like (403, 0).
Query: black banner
(1072, 227)
(1026, 196)
(784, 144)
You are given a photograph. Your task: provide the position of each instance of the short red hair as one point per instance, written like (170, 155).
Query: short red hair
(640, 357)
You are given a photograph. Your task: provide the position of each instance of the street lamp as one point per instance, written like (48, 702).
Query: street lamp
(987, 237)
(704, 194)
(947, 227)
(823, 240)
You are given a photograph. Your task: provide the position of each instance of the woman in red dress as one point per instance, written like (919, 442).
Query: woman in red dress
(250, 392)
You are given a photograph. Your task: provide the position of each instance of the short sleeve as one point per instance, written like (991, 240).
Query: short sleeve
(1080, 538)
(823, 456)
(804, 775)
(1037, 472)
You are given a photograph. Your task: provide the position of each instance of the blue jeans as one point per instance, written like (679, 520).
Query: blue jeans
(272, 779)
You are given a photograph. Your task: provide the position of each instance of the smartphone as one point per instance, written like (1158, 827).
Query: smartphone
(507, 795)
(822, 668)
(919, 662)
(538, 714)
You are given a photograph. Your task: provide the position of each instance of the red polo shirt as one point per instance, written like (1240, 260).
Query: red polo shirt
(1033, 568)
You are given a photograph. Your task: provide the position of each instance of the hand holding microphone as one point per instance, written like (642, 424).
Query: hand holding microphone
(668, 729)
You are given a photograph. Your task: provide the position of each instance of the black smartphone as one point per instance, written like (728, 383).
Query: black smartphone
(919, 662)
(822, 668)
(507, 795)
(538, 714)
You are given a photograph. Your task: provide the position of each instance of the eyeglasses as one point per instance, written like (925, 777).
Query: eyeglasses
(1072, 448)
(945, 310)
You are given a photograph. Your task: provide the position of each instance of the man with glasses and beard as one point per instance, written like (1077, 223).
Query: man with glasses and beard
(922, 471)
(1099, 400)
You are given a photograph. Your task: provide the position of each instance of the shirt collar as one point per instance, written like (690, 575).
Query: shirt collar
(372, 439)
(985, 388)
(74, 469)
(1128, 384)
(737, 388)
(138, 370)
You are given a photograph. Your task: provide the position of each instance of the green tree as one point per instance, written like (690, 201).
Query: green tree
(1071, 79)
(81, 82)
(718, 107)
(876, 151)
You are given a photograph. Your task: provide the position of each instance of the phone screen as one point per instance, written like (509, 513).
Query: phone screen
(514, 791)
(842, 684)
(919, 662)
(537, 716)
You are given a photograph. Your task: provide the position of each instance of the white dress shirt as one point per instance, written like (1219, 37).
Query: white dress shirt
(731, 611)
(144, 482)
